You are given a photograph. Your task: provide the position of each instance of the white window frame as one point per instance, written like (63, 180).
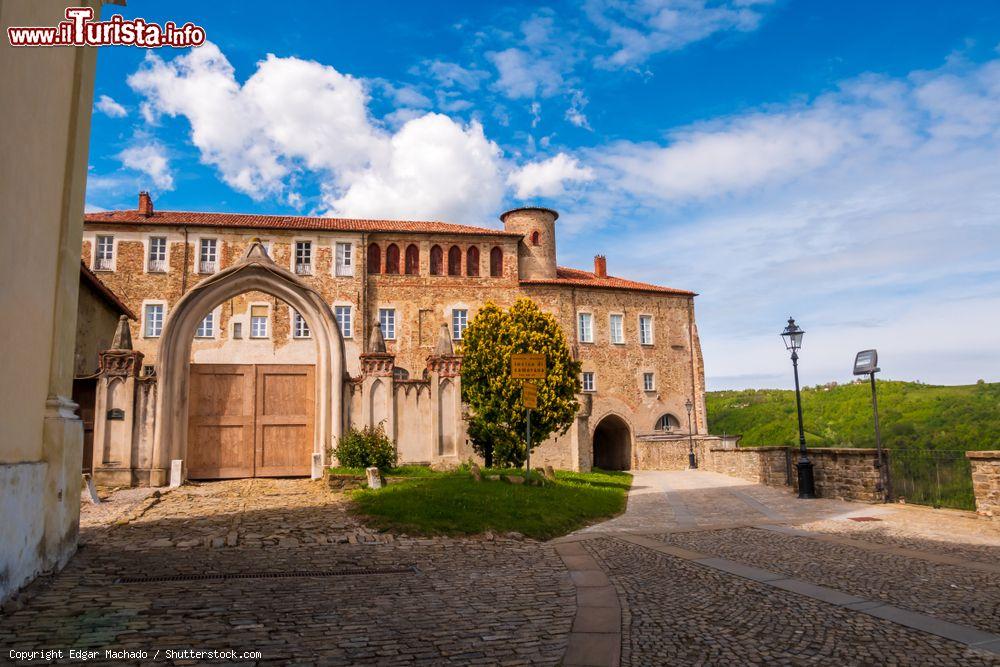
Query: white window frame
(348, 330)
(620, 340)
(386, 334)
(343, 268)
(210, 318)
(296, 319)
(146, 333)
(267, 321)
(106, 263)
(585, 335)
(202, 266)
(308, 267)
(164, 264)
(592, 376)
(651, 376)
(459, 322)
(652, 334)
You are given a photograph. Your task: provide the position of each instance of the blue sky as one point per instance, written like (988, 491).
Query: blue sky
(837, 161)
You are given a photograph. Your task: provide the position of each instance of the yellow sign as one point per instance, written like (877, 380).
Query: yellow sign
(527, 366)
(529, 394)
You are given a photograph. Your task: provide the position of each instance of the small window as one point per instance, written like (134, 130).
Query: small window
(617, 329)
(153, 325)
(392, 259)
(667, 423)
(345, 259)
(207, 327)
(343, 315)
(437, 260)
(400, 374)
(303, 258)
(472, 261)
(459, 323)
(387, 321)
(157, 254)
(374, 259)
(208, 256)
(300, 328)
(496, 262)
(237, 330)
(648, 382)
(645, 329)
(104, 257)
(585, 327)
(455, 261)
(535, 237)
(412, 260)
(588, 381)
(258, 321)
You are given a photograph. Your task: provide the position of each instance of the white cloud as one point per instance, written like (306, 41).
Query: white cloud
(638, 29)
(574, 114)
(109, 107)
(294, 116)
(150, 159)
(451, 75)
(548, 177)
(539, 66)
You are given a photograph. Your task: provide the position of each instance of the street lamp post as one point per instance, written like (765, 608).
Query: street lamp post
(692, 464)
(792, 336)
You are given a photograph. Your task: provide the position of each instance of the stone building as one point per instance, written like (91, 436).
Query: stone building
(257, 383)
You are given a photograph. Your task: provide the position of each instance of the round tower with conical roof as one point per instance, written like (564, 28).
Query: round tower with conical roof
(536, 254)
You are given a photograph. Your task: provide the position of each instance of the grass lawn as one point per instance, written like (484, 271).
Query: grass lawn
(400, 471)
(452, 503)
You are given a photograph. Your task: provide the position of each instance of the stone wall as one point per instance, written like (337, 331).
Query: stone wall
(844, 473)
(986, 481)
(760, 465)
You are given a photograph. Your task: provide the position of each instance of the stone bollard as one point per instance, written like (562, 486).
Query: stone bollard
(477, 474)
(317, 467)
(550, 474)
(88, 482)
(375, 480)
(176, 473)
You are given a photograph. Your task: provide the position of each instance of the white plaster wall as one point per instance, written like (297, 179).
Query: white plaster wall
(22, 506)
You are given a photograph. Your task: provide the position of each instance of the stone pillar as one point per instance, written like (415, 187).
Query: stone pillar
(378, 405)
(114, 412)
(581, 444)
(445, 370)
(986, 481)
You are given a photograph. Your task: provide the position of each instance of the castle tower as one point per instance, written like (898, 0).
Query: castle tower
(536, 255)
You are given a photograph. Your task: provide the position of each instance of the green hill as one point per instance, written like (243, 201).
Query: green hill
(912, 415)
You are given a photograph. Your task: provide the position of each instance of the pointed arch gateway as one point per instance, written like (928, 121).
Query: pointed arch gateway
(255, 272)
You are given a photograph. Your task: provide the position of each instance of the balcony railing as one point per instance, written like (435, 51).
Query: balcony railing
(206, 267)
(304, 269)
(103, 264)
(157, 266)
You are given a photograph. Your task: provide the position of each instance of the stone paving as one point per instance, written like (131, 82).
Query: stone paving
(701, 569)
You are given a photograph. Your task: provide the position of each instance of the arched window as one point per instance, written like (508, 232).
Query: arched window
(392, 258)
(534, 237)
(437, 260)
(400, 373)
(412, 260)
(496, 262)
(667, 423)
(374, 258)
(472, 261)
(455, 261)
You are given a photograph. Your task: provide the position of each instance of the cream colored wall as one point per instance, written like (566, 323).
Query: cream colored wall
(44, 133)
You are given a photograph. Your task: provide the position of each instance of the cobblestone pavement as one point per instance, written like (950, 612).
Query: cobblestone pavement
(465, 601)
(679, 613)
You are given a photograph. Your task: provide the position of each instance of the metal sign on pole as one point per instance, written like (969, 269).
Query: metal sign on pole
(866, 363)
(528, 367)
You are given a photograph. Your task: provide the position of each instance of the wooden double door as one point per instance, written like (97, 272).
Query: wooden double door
(250, 420)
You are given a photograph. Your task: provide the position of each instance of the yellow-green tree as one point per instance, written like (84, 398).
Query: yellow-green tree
(498, 420)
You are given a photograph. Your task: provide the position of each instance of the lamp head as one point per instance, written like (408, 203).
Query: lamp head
(792, 335)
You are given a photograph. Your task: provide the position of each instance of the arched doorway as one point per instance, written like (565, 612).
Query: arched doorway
(612, 444)
(255, 272)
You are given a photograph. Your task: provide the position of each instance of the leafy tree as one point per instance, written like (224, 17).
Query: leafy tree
(498, 419)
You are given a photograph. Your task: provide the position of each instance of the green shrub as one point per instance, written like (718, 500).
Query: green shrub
(365, 448)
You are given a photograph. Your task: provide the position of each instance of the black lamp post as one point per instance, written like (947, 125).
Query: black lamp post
(692, 464)
(792, 336)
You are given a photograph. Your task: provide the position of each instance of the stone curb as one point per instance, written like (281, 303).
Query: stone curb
(596, 637)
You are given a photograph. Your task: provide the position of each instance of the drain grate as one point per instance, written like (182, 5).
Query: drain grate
(294, 574)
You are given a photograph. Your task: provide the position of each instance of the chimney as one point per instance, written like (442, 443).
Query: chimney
(600, 266)
(145, 204)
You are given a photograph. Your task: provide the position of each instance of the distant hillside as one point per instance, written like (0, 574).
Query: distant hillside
(913, 416)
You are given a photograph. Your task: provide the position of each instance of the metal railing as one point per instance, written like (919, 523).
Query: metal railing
(157, 266)
(940, 478)
(304, 269)
(206, 267)
(103, 264)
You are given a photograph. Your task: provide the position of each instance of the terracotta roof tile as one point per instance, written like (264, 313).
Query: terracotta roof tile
(254, 221)
(577, 278)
